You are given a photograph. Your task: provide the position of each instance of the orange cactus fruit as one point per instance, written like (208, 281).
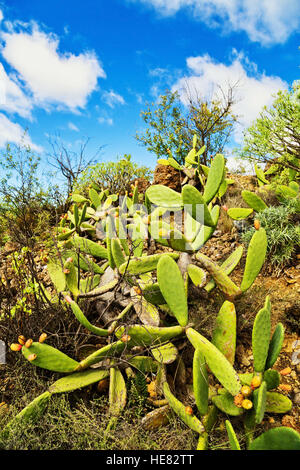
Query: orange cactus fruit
(255, 382)
(69, 260)
(125, 338)
(189, 410)
(22, 340)
(285, 371)
(66, 271)
(32, 357)
(225, 208)
(137, 290)
(238, 400)
(247, 404)
(151, 387)
(15, 347)
(246, 391)
(28, 343)
(256, 224)
(103, 385)
(68, 299)
(43, 337)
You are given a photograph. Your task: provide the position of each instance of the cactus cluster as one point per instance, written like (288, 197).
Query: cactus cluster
(102, 255)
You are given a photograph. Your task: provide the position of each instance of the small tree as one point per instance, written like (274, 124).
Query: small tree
(275, 135)
(22, 195)
(68, 162)
(115, 176)
(171, 126)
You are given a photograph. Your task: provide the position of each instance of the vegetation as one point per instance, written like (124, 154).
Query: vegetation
(274, 138)
(170, 128)
(100, 260)
(116, 176)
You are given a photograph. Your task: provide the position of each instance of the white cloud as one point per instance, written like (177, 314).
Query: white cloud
(52, 77)
(1, 15)
(112, 99)
(72, 127)
(13, 132)
(265, 21)
(254, 89)
(12, 98)
(108, 121)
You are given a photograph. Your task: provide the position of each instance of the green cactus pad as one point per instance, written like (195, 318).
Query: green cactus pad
(225, 403)
(79, 198)
(89, 247)
(57, 276)
(117, 392)
(272, 378)
(216, 361)
(197, 275)
(255, 258)
(65, 234)
(200, 382)
(84, 321)
(233, 440)
(254, 201)
(163, 196)
(166, 354)
(261, 336)
(282, 438)
(143, 264)
(117, 252)
(275, 345)
(215, 177)
(89, 283)
(82, 261)
(239, 213)
(260, 398)
(260, 175)
(227, 266)
(152, 294)
(49, 358)
(142, 335)
(78, 380)
(72, 277)
(95, 198)
(111, 350)
(191, 421)
(277, 403)
(191, 196)
(224, 334)
(203, 441)
(224, 283)
(172, 288)
(143, 364)
(206, 232)
(30, 414)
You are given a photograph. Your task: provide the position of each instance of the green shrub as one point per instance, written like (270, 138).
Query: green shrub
(282, 231)
(115, 176)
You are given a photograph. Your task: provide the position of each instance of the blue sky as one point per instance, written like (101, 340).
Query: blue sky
(86, 68)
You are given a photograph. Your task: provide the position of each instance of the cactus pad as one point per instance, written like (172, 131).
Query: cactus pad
(224, 334)
(261, 336)
(255, 258)
(216, 361)
(172, 288)
(50, 358)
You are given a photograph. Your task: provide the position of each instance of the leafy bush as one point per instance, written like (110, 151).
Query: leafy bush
(115, 176)
(282, 232)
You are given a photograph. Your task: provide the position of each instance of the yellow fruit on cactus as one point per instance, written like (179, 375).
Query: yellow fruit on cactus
(247, 404)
